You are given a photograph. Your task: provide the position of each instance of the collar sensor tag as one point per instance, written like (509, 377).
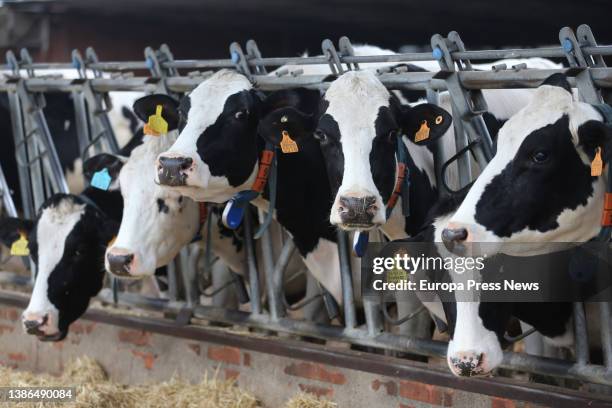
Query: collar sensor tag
(101, 179)
(360, 242)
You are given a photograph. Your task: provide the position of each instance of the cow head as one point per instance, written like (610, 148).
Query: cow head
(358, 132)
(157, 222)
(215, 155)
(67, 242)
(538, 188)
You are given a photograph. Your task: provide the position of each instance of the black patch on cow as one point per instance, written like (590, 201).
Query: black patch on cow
(527, 194)
(328, 133)
(161, 206)
(183, 110)
(232, 136)
(382, 155)
(493, 125)
(549, 318)
(559, 80)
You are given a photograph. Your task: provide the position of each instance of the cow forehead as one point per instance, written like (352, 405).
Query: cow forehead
(207, 100)
(354, 101)
(53, 227)
(548, 105)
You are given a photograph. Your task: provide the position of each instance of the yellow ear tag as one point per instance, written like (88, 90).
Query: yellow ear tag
(20, 247)
(597, 164)
(156, 125)
(422, 133)
(287, 144)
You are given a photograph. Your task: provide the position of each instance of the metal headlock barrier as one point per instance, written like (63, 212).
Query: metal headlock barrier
(40, 174)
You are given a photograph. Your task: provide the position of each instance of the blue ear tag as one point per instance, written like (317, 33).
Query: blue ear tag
(101, 179)
(234, 209)
(360, 243)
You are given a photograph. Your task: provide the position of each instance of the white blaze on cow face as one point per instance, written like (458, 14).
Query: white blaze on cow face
(206, 104)
(543, 172)
(157, 222)
(53, 228)
(354, 101)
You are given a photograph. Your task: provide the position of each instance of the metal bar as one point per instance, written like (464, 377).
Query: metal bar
(348, 300)
(275, 304)
(471, 80)
(582, 346)
(606, 332)
(385, 341)
(251, 262)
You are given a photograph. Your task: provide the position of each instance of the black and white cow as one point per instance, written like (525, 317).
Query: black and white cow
(537, 190)
(358, 132)
(478, 329)
(543, 163)
(217, 155)
(67, 241)
(157, 222)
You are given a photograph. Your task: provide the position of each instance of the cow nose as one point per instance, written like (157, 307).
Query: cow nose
(171, 170)
(357, 212)
(119, 264)
(454, 234)
(467, 364)
(33, 322)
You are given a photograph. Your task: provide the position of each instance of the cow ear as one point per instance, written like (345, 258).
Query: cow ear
(289, 114)
(595, 134)
(12, 228)
(286, 123)
(425, 123)
(101, 162)
(147, 106)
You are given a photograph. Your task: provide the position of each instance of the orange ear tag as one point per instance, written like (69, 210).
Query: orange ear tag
(20, 247)
(287, 144)
(597, 164)
(422, 133)
(157, 125)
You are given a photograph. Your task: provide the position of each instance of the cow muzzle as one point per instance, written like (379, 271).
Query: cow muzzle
(120, 262)
(467, 364)
(455, 238)
(357, 212)
(173, 170)
(39, 325)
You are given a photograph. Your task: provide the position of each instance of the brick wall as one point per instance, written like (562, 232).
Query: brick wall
(135, 356)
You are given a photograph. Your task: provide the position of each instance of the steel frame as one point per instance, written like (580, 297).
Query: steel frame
(588, 73)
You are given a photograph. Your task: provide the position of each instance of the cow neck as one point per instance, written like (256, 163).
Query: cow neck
(234, 209)
(108, 203)
(202, 218)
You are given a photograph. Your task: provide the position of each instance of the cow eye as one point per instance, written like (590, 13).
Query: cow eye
(241, 114)
(321, 136)
(540, 156)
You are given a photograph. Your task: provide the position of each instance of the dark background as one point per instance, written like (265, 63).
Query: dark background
(120, 29)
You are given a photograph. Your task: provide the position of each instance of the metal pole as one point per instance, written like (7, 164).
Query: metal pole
(348, 300)
(251, 262)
